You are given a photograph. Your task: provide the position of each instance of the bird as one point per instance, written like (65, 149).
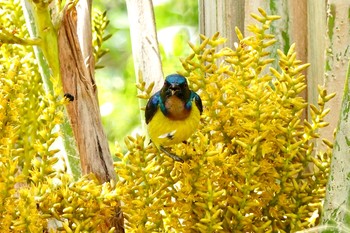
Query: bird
(172, 114)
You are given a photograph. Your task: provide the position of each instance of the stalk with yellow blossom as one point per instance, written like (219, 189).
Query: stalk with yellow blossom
(35, 195)
(252, 165)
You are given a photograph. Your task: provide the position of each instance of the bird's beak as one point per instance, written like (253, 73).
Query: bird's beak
(174, 88)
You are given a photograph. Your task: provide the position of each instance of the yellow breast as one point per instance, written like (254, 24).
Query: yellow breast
(164, 131)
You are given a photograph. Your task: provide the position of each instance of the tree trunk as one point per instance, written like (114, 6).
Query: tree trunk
(337, 203)
(316, 21)
(145, 50)
(78, 81)
(77, 73)
(336, 55)
(221, 16)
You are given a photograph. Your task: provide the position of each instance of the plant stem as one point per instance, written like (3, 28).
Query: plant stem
(39, 24)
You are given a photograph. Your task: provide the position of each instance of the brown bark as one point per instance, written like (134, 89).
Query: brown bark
(78, 80)
(83, 111)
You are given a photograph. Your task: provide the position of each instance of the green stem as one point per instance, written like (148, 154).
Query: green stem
(9, 38)
(39, 24)
(31, 18)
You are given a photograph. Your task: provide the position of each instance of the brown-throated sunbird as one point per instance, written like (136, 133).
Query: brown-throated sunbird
(172, 114)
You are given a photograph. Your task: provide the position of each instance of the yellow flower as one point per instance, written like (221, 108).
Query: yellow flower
(244, 167)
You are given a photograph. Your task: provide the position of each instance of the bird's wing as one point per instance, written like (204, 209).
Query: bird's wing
(152, 107)
(197, 100)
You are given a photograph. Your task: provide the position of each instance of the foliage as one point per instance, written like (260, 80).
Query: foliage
(252, 165)
(99, 25)
(35, 195)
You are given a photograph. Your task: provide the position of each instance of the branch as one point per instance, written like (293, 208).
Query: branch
(7, 37)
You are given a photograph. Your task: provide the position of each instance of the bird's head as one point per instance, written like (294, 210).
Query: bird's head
(175, 85)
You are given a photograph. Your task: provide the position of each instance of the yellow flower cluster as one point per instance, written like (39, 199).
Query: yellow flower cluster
(252, 165)
(34, 195)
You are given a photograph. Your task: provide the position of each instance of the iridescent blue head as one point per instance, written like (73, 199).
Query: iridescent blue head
(174, 99)
(175, 84)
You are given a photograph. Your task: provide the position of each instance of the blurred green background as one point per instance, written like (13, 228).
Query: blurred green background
(176, 24)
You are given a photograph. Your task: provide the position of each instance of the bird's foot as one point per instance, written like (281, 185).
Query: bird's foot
(171, 155)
